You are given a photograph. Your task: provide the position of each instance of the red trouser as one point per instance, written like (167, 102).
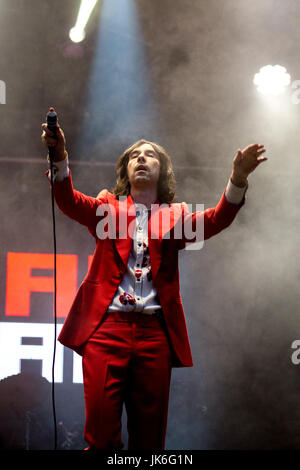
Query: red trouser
(127, 360)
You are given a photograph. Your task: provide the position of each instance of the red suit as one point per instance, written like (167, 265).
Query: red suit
(109, 264)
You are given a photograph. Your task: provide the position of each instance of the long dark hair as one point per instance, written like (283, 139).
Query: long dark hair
(166, 182)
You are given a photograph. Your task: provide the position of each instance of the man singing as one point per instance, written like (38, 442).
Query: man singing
(127, 319)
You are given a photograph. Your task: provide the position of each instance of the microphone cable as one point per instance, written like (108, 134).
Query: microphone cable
(51, 119)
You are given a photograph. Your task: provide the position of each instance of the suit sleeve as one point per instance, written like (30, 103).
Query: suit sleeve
(77, 205)
(202, 225)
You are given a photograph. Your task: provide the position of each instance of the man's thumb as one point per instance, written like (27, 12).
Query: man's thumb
(239, 153)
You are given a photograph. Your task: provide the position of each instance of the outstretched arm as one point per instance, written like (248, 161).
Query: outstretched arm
(73, 203)
(214, 220)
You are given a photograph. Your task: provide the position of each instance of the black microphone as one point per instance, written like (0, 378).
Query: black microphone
(51, 120)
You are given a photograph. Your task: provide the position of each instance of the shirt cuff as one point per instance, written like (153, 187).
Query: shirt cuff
(234, 194)
(60, 170)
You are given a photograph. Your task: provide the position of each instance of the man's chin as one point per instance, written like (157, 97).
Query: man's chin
(141, 178)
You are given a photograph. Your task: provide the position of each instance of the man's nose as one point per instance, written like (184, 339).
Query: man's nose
(141, 156)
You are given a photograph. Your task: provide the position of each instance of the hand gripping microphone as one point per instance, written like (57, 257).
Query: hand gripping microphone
(51, 120)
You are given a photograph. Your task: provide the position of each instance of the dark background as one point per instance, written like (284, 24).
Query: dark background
(178, 72)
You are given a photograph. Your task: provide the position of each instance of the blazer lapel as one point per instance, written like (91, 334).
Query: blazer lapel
(162, 220)
(125, 222)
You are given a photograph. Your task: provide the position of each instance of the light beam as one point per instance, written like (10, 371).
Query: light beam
(77, 33)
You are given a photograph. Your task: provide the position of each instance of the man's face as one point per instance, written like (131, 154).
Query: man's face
(143, 167)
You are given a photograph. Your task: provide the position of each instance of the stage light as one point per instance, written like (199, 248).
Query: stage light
(272, 79)
(77, 33)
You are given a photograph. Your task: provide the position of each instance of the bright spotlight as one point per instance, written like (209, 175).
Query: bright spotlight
(272, 79)
(77, 33)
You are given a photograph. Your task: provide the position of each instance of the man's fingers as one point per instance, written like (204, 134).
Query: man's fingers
(254, 147)
(59, 131)
(251, 147)
(50, 139)
(262, 159)
(254, 152)
(60, 134)
(46, 130)
(48, 142)
(55, 139)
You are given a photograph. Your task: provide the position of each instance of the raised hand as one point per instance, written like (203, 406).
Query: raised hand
(245, 162)
(58, 141)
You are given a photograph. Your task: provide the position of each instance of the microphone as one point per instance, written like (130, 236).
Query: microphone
(51, 119)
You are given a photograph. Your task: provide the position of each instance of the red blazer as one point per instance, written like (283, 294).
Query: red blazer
(110, 262)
